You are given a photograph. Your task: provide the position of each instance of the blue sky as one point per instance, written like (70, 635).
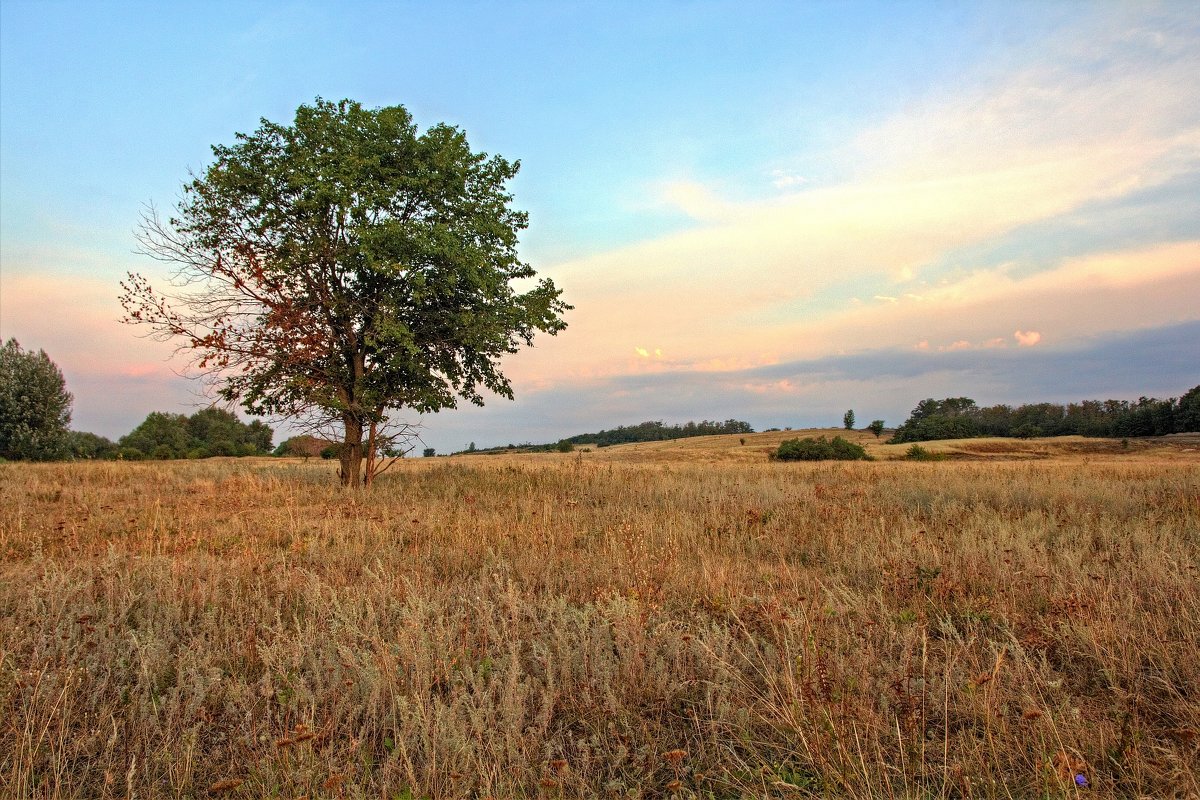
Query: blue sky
(729, 193)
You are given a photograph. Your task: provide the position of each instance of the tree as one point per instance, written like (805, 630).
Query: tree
(211, 425)
(35, 406)
(304, 446)
(344, 267)
(1189, 411)
(951, 418)
(160, 435)
(848, 420)
(429, 452)
(876, 427)
(89, 445)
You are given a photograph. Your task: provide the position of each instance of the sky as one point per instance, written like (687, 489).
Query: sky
(772, 212)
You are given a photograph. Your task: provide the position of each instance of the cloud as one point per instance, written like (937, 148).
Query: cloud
(695, 200)
(1034, 163)
(786, 180)
(1027, 338)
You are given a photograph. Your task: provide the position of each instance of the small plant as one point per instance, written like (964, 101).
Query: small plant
(820, 449)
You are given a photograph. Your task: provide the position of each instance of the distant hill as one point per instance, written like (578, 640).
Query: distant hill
(651, 431)
(656, 431)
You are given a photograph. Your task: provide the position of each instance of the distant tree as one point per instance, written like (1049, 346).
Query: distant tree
(876, 427)
(951, 418)
(211, 425)
(848, 420)
(429, 452)
(35, 406)
(304, 446)
(1188, 418)
(344, 267)
(158, 431)
(656, 431)
(564, 446)
(471, 447)
(83, 445)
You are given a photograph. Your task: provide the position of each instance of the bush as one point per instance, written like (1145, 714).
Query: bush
(429, 452)
(918, 453)
(820, 449)
(564, 446)
(130, 454)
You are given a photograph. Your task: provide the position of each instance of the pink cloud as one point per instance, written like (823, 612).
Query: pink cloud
(1027, 338)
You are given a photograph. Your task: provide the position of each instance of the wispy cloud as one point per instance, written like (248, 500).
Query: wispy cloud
(1111, 111)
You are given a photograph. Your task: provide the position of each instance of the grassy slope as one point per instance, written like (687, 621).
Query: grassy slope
(642, 620)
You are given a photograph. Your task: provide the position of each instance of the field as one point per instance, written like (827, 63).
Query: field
(678, 619)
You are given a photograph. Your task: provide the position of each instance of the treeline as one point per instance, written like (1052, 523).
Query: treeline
(211, 432)
(961, 418)
(656, 431)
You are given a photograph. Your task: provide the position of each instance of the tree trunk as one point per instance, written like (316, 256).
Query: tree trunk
(352, 454)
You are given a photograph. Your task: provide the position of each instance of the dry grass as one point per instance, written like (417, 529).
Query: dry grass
(668, 620)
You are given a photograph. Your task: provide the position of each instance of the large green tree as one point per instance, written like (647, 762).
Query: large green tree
(346, 266)
(35, 406)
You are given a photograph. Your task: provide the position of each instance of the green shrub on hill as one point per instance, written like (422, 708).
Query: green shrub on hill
(820, 449)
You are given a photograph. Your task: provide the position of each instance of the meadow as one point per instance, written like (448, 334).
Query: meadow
(677, 619)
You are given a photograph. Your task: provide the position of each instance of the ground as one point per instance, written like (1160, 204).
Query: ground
(670, 619)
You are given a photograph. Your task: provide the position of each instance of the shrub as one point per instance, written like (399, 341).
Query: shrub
(918, 453)
(820, 449)
(130, 454)
(429, 452)
(564, 446)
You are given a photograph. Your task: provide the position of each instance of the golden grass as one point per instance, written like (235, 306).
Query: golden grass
(638, 621)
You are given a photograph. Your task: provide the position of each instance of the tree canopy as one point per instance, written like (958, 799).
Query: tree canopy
(343, 267)
(208, 432)
(35, 406)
